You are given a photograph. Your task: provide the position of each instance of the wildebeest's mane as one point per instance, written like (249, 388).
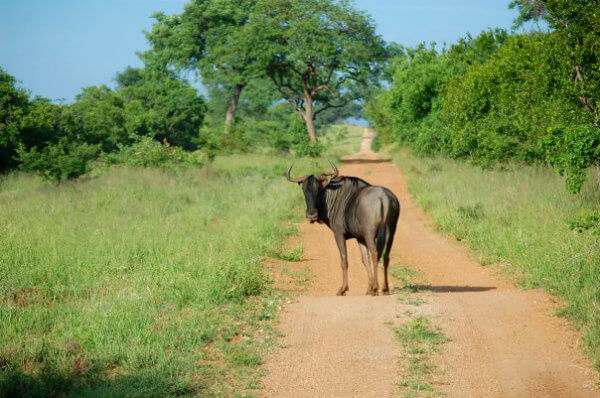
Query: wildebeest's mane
(355, 181)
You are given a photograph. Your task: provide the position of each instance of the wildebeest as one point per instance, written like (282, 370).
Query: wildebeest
(353, 208)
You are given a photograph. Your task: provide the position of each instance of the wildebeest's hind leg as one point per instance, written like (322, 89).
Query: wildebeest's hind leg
(386, 263)
(365, 259)
(341, 242)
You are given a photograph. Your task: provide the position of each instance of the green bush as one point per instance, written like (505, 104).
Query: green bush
(409, 112)
(493, 99)
(571, 150)
(376, 143)
(501, 109)
(66, 159)
(147, 152)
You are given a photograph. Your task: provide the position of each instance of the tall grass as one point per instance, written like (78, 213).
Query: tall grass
(139, 283)
(518, 216)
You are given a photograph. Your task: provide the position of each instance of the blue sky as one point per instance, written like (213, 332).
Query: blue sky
(55, 47)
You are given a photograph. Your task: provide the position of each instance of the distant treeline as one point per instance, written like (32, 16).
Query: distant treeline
(497, 97)
(151, 118)
(274, 69)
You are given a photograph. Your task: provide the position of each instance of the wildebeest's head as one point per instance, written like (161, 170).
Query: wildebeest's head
(312, 186)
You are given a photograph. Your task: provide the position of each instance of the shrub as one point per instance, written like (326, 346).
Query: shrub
(571, 150)
(501, 109)
(409, 113)
(147, 152)
(65, 159)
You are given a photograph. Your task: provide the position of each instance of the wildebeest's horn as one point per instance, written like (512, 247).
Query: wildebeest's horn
(293, 179)
(335, 170)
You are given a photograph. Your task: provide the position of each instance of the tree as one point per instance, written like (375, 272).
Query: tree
(209, 39)
(319, 54)
(97, 117)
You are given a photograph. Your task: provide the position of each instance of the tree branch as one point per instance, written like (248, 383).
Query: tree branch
(329, 106)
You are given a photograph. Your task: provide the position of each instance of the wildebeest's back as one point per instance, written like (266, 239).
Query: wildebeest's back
(373, 207)
(356, 208)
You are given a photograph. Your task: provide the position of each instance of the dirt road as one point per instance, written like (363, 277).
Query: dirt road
(503, 342)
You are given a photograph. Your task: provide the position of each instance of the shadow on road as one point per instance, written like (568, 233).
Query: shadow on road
(451, 289)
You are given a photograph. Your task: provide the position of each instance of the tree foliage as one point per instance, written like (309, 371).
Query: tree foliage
(208, 38)
(61, 140)
(577, 24)
(492, 99)
(409, 112)
(13, 102)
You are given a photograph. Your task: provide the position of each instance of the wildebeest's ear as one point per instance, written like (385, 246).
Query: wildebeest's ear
(326, 180)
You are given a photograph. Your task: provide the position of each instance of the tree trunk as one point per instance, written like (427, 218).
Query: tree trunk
(309, 120)
(237, 91)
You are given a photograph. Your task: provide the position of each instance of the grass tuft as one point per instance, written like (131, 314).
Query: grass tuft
(293, 255)
(419, 340)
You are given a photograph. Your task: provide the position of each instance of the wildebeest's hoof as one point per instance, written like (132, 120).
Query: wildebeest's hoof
(385, 292)
(342, 291)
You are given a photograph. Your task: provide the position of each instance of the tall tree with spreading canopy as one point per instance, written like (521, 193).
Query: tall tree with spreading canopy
(320, 54)
(208, 37)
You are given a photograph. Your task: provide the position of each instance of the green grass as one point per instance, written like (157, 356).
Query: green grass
(419, 340)
(140, 283)
(520, 217)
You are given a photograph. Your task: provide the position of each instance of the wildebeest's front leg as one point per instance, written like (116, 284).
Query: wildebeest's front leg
(341, 242)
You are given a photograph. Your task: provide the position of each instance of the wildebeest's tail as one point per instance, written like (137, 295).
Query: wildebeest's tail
(381, 237)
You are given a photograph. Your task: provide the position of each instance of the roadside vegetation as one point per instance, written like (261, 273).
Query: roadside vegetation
(521, 218)
(140, 282)
(499, 97)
